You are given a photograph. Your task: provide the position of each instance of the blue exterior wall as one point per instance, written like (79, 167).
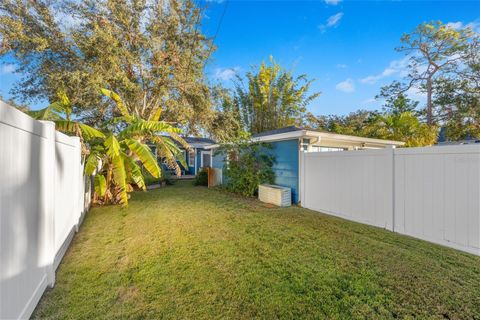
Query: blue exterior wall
(198, 162)
(190, 170)
(286, 167)
(218, 160)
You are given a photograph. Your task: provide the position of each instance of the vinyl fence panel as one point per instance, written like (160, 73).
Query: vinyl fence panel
(430, 193)
(41, 202)
(437, 195)
(356, 185)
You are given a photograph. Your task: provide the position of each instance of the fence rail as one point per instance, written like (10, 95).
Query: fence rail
(43, 197)
(429, 193)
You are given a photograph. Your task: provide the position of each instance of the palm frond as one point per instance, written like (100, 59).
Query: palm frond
(142, 127)
(143, 152)
(66, 126)
(52, 112)
(165, 152)
(134, 172)
(175, 150)
(100, 185)
(90, 132)
(180, 140)
(156, 114)
(91, 164)
(120, 179)
(118, 101)
(112, 145)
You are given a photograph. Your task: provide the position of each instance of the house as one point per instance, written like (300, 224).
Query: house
(288, 143)
(195, 158)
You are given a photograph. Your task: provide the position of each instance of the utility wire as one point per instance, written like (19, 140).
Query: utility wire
(218, 26)
(213, 39)
(195, 33)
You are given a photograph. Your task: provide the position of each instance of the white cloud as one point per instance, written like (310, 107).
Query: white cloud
(333, 2)
(346, 86)
(8, 68)
(395, 67)
(369, 101)
(226, 74)
(416, 94)
(342, 66)
(474, 25)
(455, 25)
(332, 21)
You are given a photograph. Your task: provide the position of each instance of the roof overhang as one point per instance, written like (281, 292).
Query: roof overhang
(327, 139)
(200, 145)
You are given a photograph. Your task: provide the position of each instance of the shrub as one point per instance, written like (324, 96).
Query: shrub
(201, 179)
(149, 179)
(168, 178)
(249, 165)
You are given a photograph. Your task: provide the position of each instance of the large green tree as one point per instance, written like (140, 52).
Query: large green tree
(395, 100)
(458, 101)
(404, 127)
(394, 123)
(354, 123)
(458, 98)
(270, 97)
(152, 53)
(436, 50)
(226, 124)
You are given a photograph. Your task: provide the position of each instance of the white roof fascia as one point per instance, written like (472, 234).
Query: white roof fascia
(348, 138)
(200, 145)
(319, 135)
(281, 136)
(212, 146)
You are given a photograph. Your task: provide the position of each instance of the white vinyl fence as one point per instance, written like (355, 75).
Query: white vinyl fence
(430, 193)
(43, 197)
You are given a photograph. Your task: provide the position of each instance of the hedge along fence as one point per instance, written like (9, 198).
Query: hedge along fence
(43, 198)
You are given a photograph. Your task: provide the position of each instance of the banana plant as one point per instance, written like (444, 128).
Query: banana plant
(162, 134)
(60, 112)
(117, 166)
(124, 152)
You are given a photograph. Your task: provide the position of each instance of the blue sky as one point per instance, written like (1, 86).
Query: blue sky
(347, 46)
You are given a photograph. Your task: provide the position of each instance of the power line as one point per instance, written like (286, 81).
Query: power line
(195, 33)
(218, 27)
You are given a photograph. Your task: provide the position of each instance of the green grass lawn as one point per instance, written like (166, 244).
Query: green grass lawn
(186, 252)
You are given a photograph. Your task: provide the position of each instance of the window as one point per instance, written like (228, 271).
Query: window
(191, 158)
(206, 159)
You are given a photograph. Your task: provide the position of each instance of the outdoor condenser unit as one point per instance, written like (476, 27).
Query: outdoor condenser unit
(279, 196)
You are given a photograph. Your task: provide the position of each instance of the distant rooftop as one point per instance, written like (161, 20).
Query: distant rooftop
(458, 142)
(199, 140)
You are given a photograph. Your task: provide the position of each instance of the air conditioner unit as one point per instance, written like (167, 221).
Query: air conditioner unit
(277, 195)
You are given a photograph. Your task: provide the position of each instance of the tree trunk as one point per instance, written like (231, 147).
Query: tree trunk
(429, 102)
